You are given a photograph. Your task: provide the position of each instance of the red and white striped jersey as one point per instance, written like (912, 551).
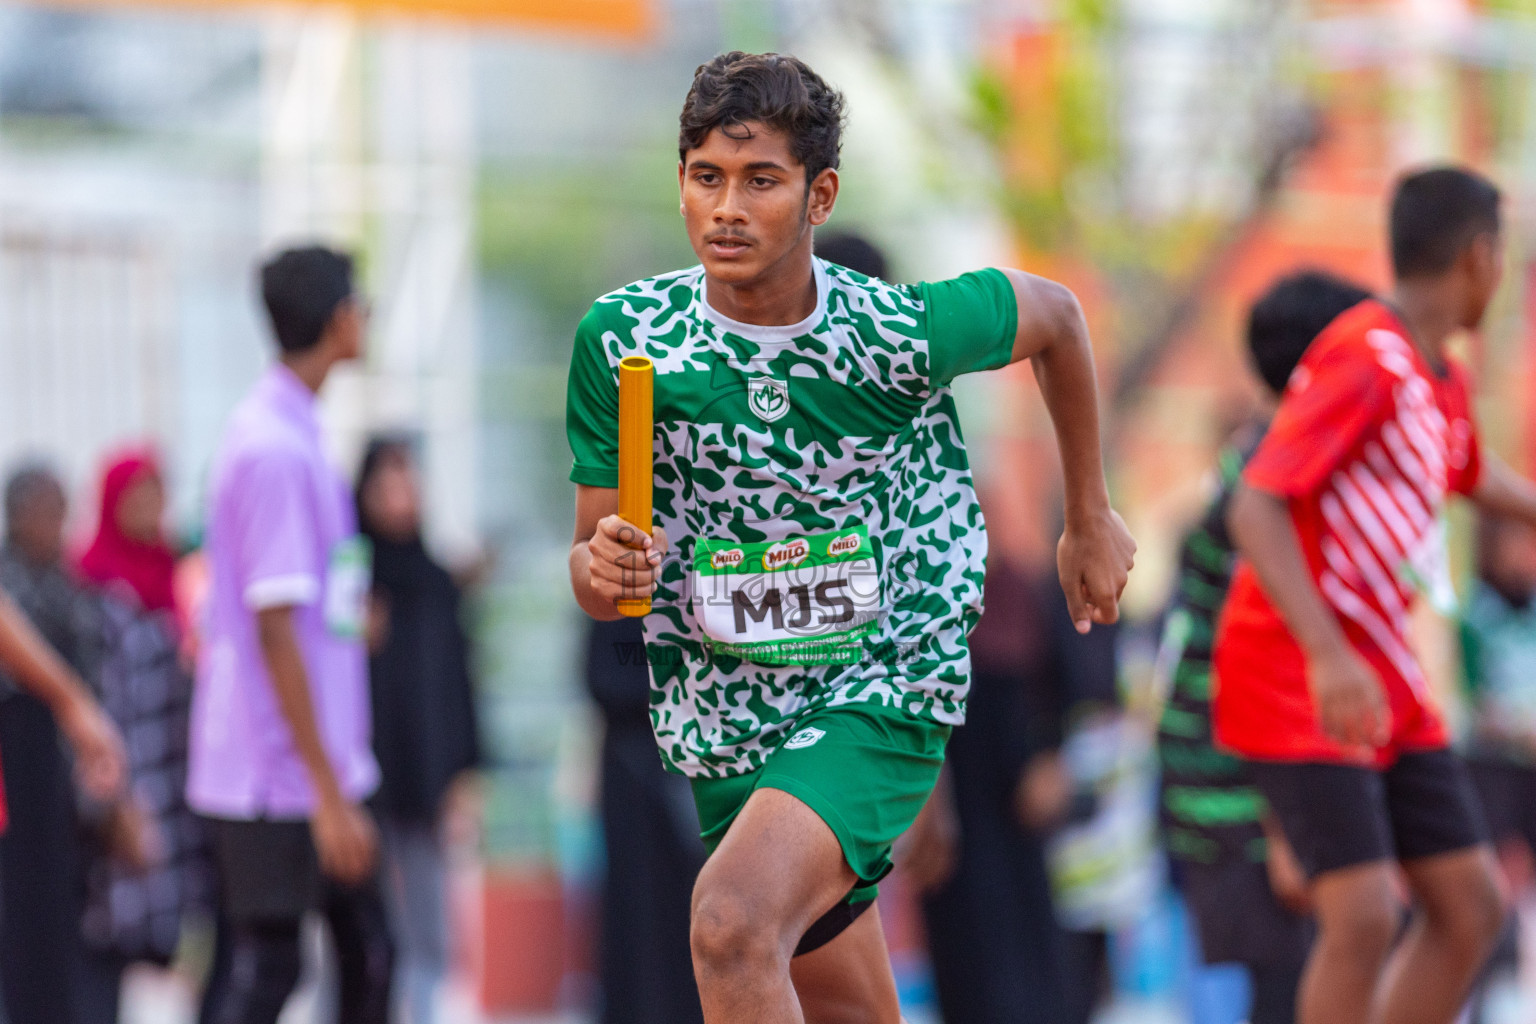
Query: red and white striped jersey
(1368, 442)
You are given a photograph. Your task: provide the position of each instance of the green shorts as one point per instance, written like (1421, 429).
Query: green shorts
(865, 769)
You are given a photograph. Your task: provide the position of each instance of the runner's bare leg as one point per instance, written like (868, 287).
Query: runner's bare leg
(1358, 918)
(778, 869)
(848, 981)
(1459, 909)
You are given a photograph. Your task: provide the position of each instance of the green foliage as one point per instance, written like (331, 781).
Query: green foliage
(1089, 15)
(1087, 111)
(1054, 139)
(1517, 7)
(560, 236)
(1054, 127)
(991, 110)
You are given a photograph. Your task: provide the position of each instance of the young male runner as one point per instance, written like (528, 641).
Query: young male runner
(807, 641)
(1214, 819)
(1339, 519)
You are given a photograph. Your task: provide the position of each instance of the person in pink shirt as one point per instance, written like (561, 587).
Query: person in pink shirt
(280, 755)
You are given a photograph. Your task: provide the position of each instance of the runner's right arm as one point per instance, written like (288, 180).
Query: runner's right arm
(988, 319)
(609, 557)
(1096, 551)
(1339, 395)
(1350, 699)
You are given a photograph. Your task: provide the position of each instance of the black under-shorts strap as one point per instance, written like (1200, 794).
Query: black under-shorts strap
(830, 925)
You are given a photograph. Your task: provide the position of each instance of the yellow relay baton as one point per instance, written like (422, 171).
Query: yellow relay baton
(637, 376)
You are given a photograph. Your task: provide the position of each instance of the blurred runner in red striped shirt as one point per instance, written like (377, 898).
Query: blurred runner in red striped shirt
(1339, 518)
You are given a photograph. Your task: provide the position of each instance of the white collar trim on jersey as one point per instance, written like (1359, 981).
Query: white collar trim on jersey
(759, 332)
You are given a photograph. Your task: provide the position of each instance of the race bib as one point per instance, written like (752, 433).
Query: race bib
(347, 580)
(800, 601)
(1428, 569)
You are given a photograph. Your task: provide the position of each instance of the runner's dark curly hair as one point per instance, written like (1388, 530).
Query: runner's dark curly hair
(737, 89)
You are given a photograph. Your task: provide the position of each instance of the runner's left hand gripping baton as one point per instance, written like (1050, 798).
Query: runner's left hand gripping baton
(637, 376)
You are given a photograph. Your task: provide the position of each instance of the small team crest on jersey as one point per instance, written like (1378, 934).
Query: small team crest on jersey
(806, 737)
(768, 397)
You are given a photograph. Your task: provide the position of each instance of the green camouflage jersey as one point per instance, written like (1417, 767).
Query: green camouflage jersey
(827, 547)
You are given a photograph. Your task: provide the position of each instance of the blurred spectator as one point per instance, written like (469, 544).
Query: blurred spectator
(1226, 852)
(1319, 686)
(1498, 634)
(992, 934)
(853, 251)
(1077, 678)
(148, 867)
(1214, 818)
(651, 838)
(40, 946)
(1498, 629)
(280, 751)
(424, 730)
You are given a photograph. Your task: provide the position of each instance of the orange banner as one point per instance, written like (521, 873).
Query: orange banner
(618, 19)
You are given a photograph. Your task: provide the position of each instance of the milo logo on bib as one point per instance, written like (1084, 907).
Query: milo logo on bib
(847, 544)
(801, 600)
(780, 556)
(726, 559)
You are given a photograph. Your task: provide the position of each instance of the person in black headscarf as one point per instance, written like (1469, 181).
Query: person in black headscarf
(997, 954)
(651, 841)
(424, 728)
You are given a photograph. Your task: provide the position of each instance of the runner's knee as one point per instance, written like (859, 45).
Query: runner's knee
(730, 934)
(1365, 921)
(1473, 916)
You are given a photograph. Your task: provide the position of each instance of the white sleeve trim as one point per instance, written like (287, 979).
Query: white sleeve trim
(297, 588)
